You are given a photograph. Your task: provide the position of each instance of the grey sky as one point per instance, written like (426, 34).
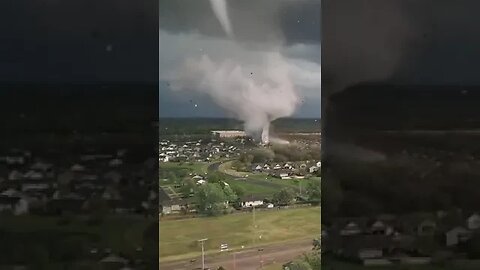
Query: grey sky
(189, 29)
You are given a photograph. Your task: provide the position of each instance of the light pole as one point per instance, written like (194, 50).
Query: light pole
(203, 251)
(260, 257)
(234, 261)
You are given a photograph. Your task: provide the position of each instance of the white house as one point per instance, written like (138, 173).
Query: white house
(77, 168)
(115, 162)
(33, 175)
(351, 228)
(312, 169)
(277, 167)
(15, 175)
(251, 201)
(456, 235)
(17, 205)
(473, 222)
(34, 185)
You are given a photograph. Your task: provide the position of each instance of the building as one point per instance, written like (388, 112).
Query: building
(229, 133)
(251, 201)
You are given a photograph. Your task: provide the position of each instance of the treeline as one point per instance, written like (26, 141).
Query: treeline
(277, 153)
(169, 126)
(63, 108)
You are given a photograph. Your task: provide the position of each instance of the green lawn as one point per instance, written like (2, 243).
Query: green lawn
(179, 237)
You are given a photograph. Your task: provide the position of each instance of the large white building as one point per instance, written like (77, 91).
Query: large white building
(229, 133)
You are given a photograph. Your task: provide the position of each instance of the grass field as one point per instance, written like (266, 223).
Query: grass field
(120, 234)
(275, 266)
(180, 237)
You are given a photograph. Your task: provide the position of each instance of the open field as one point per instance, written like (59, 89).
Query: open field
(121, 234)
(260, 183)
(179, 237)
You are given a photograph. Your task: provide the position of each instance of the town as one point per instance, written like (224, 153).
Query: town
(229, 176)
(77, 194)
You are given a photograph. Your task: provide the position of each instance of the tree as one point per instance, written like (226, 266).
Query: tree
(215, 177)
(332, 199)
(299, 265)
(230, 195)
(317, 244)
(239, 190)
(314, 191)
(283, 197)
(210, 199)
(187, 187)
(98, 208)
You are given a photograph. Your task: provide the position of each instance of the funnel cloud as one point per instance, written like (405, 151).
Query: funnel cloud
(220, 9)
(257, 98)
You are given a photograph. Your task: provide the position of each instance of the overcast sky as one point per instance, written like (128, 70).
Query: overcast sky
(79, 41)
(190, 29)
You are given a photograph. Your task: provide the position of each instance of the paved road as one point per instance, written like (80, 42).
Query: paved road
(249, 259)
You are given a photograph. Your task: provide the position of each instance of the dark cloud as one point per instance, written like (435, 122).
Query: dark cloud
(255, 21)
(90, 40)
(399, 41)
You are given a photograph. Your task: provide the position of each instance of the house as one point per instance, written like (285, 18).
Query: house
(197, 178)
(201, 182)
(473, 222)
(33, 175)
(77, 168)
(426, 227)
(364, 247)
(27, 185)
(16, 205)
(251, 201)
(175, 206)
(258, 168)
(113, 261)
(277, 167)
(312, 169)
(456, 235)
(15, 175)
(351, 228)
(281, 175)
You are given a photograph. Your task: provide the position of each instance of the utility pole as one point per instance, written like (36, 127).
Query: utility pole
(260, 250)
(234, 261)
(254, 226)
(203, 251)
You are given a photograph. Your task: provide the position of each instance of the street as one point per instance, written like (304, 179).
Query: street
(247, 259)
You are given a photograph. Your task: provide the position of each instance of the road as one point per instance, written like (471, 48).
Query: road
(249, 259)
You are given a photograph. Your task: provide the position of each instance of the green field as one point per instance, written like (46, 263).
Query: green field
(259, 183)
(121, 234)
(178, 238)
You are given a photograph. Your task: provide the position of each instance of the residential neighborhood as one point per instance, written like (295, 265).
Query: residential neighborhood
(32, 183)
(418, 238)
